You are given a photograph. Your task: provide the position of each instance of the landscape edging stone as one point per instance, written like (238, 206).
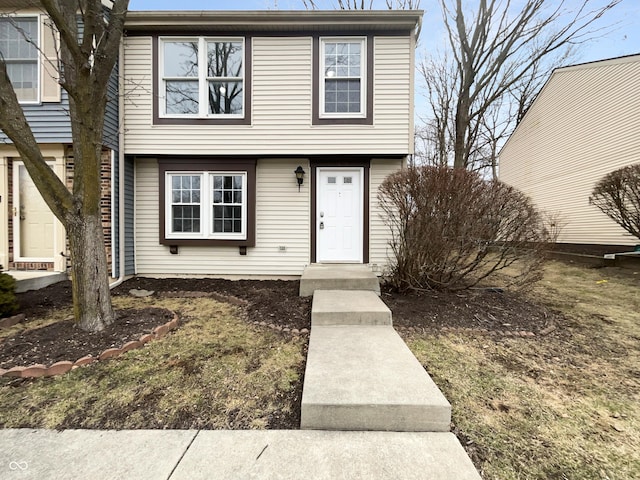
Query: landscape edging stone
(60, 367)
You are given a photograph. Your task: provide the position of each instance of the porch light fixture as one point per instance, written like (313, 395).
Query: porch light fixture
(299, 175)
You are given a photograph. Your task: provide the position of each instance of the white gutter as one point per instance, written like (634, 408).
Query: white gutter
(612, 256)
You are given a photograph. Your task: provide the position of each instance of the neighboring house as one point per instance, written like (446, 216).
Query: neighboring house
(220, 108)
(31, 238)
(584, 124)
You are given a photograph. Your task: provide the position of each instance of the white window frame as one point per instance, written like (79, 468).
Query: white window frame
(206, 206)
(363, 77)
(203, 79)
(35, 16)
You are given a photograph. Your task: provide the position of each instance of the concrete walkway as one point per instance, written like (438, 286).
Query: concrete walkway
(194, 455)
(366, 378)
(361, 376)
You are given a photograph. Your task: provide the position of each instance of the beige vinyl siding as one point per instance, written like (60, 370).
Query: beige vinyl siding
(583, 125)
(379, 251)
(50, 38)
(282, 219)
(281, 101)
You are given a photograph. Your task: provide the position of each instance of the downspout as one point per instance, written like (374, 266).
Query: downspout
(120, 278)
(112, 161)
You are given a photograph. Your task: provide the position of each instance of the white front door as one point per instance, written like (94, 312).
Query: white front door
(339, 215)
(33, 221)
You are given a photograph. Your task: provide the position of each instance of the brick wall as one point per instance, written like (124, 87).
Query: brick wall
(105, 201)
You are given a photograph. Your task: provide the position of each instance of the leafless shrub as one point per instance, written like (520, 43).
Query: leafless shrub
(617, 194)
(553, 223)
(451, 229)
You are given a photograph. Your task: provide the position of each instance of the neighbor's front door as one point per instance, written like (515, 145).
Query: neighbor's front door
(33, 230)
(339, 215)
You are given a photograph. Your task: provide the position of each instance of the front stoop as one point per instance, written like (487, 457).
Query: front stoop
(35, 280)
(365, 378)
(337, 277)
(348, 307)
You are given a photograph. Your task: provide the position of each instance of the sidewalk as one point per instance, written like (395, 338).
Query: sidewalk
(225, 454)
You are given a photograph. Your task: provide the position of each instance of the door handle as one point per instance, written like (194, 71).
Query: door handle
(321, 225)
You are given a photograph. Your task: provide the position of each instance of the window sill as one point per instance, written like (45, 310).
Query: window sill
(343, 121)
(201, 121)
(208, 242)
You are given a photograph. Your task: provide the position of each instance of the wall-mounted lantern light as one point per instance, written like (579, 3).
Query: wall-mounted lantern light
(299, 175)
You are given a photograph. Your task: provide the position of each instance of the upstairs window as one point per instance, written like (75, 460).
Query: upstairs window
(342, 77)
(19, 40)
(202, 77)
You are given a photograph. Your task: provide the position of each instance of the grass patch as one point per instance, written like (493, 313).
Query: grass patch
(216, 371)
(562, 406)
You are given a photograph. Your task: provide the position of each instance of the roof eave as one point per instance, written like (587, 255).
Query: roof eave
(373, 20)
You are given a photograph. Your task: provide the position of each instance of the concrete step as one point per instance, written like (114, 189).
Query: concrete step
(348, 307)
(34, 279)
(366, 378)
(337, 277)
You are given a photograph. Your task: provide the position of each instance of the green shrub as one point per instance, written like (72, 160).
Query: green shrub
(8, 302)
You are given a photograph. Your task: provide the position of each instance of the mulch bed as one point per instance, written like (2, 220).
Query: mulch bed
(272, 301)
(64, 341)
(493, 310)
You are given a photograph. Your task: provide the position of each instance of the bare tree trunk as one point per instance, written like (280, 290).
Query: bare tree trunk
(87, 62)
(460, 135)
(90, 287)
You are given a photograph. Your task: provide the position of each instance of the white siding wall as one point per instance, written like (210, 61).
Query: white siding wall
(282, 220)
(379, 251)
(281, 106)
(583, 125)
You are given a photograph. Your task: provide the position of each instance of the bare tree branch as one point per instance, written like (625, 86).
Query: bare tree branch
(503, 50)
(15, 125)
